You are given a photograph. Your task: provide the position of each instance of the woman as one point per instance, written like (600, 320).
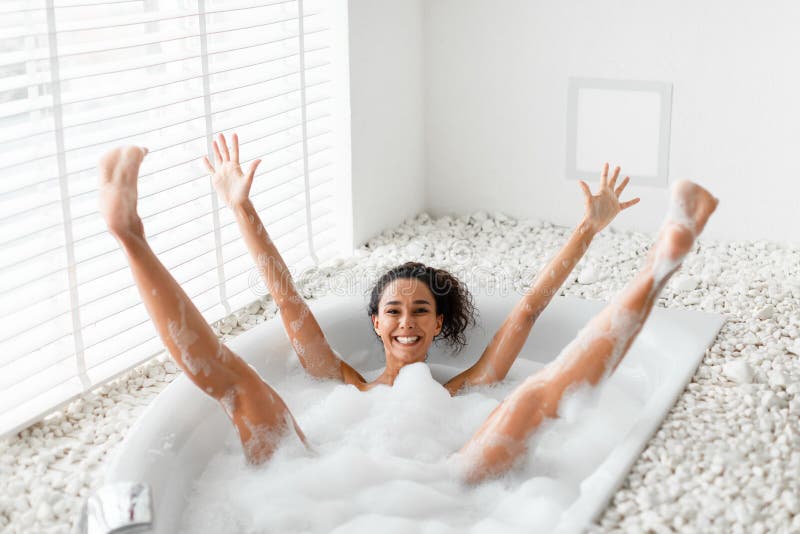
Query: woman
(410, 307)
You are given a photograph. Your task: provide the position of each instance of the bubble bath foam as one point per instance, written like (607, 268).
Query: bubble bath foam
(382, 460)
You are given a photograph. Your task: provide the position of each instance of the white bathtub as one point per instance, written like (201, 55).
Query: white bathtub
(183, 428)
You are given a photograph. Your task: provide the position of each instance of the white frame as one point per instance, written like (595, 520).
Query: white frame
(664, 92)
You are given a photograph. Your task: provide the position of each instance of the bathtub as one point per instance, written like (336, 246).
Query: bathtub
(183, 428)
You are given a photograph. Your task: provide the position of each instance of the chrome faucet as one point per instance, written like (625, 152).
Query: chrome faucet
(119, 508)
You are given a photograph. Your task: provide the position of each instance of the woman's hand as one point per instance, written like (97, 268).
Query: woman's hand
(231, 184)
(604, 206)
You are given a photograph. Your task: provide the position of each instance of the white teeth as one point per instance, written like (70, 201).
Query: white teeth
(407, 340)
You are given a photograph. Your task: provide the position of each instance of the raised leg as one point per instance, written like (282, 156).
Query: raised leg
(597, 349)
(259, 414)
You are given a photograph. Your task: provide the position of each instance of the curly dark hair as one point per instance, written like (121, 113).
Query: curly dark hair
(453, 299)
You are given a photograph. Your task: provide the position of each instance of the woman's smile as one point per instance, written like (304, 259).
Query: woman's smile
(406, 321)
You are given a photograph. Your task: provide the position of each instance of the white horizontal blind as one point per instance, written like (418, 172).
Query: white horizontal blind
(78, 77)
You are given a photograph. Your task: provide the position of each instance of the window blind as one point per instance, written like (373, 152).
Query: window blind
(79, 77)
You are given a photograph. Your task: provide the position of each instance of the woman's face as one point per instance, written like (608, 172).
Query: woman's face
(407, 320)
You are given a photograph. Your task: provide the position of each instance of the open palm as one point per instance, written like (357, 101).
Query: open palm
(605, 205)
(231, 184)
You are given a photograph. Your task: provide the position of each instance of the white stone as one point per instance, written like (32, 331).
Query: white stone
(750, 339)
(766, 312)
(685, 283)
(588, 275)
(692, 298)
(769, 399)
(777, 378)
(791, 502)
(708, 303)
(738, 371)
(44, 512)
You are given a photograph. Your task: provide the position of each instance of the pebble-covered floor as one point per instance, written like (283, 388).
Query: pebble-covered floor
(726, 459)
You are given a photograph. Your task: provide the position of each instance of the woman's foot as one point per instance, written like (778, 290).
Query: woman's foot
(119, 172)
(689, 210)
(691, 205)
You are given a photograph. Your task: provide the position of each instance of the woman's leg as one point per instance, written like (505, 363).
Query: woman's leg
(258, 413)
(597, 349)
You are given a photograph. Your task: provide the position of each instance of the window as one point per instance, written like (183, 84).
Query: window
(79, 77)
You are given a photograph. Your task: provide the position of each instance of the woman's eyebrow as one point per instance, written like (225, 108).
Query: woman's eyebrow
(395, 302)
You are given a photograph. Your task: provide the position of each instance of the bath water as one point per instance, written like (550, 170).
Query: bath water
(382, 461)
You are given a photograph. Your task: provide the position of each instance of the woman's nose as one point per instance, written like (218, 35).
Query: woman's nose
(406, 321)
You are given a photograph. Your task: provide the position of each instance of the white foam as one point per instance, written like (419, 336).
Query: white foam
(183, 338)
(385, 461)
(297, 324)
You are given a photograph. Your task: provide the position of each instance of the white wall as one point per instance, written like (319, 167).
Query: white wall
(386, 101)
(495, 104)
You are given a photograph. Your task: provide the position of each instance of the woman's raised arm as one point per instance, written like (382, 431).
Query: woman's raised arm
(506, 344)
(305, 334)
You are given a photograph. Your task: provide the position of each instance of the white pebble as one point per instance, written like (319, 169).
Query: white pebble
(685, 283)
(777, 378)
(738, 371)
(769, 399)
(588, 275)
(766, 312)
(790, 501)
(44, 512)
(750, 339)
(708, 303)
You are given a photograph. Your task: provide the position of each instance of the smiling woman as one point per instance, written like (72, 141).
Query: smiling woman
(410, 306)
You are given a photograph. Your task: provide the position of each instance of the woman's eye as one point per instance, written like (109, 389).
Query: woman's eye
(423, 310)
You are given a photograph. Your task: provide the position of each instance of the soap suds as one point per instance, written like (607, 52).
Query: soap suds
(228, 402)
(298, 347)
(183, 338)
(297, 324)
(392, 452)
(223, 355)
(262, 440)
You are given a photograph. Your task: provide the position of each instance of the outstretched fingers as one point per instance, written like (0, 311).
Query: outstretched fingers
(618, 190)
(235, 148)
(252, 172)
(224, 147)
(614, 177)
(208, 165)
(586, 191)
(629, 203)
(604, 175)
(217, 156)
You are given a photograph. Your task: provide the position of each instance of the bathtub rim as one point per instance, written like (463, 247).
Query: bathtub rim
(596, 490)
